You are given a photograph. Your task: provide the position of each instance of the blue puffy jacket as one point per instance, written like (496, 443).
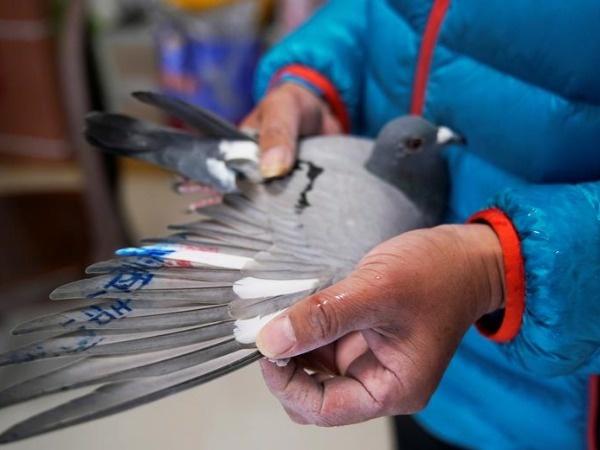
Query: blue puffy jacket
(520, 80)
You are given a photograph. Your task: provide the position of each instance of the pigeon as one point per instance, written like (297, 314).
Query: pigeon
(178, 311)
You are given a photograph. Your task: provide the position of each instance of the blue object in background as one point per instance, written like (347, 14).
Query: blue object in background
(209, 59)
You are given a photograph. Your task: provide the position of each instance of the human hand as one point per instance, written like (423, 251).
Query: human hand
(380, 340)
(286, 113)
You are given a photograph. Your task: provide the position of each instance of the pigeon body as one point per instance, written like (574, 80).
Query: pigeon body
(181, 310)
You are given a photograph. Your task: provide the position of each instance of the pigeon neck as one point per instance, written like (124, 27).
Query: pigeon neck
(422, 177)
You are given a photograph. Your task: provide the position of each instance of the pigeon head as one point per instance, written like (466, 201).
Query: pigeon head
(407, 154)
(412, 136)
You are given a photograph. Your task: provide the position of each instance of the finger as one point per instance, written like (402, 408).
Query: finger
(330, 125)
(191, 187)
(252, 120)
(204, 202)
(278, 380)
(322, 377)
(348, 349)
(297, 418)
(334, 358)
(350, 305)
(279, 128)
(335, 401)
(383, 384)
(205, 195)
(321, 359)
(418, 361)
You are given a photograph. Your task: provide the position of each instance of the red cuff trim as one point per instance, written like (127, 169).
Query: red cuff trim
(330, 92)
(514, 275)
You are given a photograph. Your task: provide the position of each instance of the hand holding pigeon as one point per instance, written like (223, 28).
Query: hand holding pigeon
(288, 112)
(380, 340)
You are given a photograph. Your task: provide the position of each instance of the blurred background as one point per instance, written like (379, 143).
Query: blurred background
(63, 205)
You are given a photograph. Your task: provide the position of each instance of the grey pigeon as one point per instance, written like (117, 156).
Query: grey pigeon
(184, 309)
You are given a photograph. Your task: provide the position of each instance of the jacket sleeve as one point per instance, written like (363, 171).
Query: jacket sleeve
(326, 52)
(518, 85)
(550, 235)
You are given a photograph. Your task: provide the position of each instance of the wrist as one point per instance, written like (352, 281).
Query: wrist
(481, 252)
(329, 95)
(292, 80)
(504, 326)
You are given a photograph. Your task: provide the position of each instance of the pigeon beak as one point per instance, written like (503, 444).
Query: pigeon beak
(446, 136)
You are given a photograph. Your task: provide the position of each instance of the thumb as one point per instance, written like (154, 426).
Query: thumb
(320, 319)
(279, 127)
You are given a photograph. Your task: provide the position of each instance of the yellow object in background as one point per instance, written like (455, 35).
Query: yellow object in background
(199, 5)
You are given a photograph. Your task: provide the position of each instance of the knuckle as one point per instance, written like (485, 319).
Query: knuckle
(326, 418)
(275, 100)
(275, 130)
(295, 416)
(286, 395)
(324, 422)
(407, 395)
(289, 394)
(323, 318)
(388, 401)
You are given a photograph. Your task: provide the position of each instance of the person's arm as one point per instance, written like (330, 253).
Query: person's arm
(550, 235)
(380, 340)
(326, 53)
(310, 83)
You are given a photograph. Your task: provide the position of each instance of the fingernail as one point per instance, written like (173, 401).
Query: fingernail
(273, 162)
(276, 337)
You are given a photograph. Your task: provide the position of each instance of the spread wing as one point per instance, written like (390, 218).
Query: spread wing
(172, 313)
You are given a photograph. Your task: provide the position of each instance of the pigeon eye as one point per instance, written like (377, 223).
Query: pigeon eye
(413, 144)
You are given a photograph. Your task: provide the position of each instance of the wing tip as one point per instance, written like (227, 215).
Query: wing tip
(6, 359)
(58, 294)
(23, 328)
(8, 437)
(70, 290)
(18, 432)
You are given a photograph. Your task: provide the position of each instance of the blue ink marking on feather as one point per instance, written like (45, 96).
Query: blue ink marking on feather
(104, 315)
(146, 262)
(87, 342)
(154, 250)
(122, 307)
(98, 315)
(67, 322)
(36, 353)
(130, 277)
(129, 281)
(125, 281)
(96, 294)
(40, 351)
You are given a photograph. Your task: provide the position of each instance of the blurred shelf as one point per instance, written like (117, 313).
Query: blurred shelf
(18, 175)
